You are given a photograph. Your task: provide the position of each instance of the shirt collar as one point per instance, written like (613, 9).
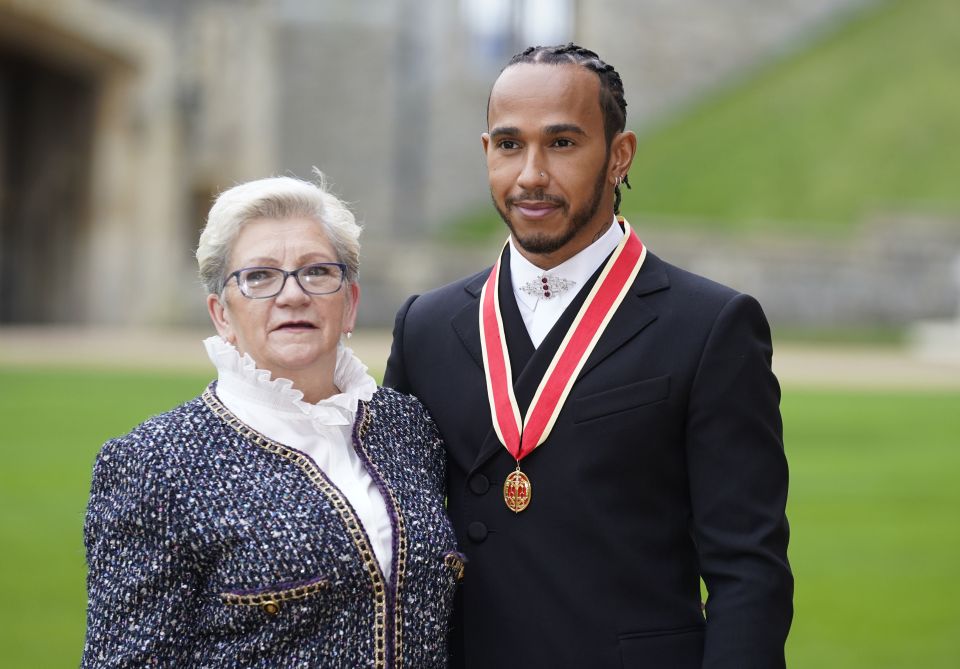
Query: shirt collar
(239, 375)
(579, 268)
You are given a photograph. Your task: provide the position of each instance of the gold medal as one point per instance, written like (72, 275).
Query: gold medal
(517, 490)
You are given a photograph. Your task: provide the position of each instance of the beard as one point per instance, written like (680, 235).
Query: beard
(540, 243)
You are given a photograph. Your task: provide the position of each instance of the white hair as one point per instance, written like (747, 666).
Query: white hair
(277, 198)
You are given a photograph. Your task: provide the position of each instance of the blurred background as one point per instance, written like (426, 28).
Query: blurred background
(805, 151)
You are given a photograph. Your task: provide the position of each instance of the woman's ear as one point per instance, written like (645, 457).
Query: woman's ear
(221, 318)
(350, 308)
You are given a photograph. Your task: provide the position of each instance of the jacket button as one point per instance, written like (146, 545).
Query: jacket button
(477, 531)
(479, 484)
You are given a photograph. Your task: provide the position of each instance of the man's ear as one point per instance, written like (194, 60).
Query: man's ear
(622, 150)
(221, 318)
(485, 140)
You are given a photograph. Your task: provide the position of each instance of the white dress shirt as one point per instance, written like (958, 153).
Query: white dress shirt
(274, 408)
(539, 314)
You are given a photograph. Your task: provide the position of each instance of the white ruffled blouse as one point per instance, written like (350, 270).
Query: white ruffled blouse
(323, 430)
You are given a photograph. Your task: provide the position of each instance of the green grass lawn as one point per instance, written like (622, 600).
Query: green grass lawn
(874, 507)
(861, 121)
(874, 510)
(51, 426)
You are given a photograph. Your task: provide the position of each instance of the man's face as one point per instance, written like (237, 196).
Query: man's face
(547, 159)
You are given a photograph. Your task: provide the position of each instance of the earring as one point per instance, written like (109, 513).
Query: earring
(349, 334)
(617, 182)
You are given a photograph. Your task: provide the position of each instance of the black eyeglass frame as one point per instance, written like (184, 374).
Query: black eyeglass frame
(295, 273)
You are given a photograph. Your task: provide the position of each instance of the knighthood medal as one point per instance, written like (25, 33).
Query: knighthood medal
(517, 490)
(522, 437)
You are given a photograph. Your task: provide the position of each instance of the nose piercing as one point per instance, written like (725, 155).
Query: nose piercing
(542, 175)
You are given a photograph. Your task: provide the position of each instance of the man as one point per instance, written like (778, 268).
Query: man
(611, 421)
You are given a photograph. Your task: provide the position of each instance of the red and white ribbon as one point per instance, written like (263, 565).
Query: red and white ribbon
(521, 437)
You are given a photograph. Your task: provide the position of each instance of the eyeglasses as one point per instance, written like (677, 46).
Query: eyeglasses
(320, 278)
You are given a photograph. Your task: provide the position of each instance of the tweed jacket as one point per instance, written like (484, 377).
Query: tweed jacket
(209, 545)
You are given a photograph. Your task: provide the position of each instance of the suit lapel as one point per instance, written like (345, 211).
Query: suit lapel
(466, 323)
(633, 314)
(521, 350)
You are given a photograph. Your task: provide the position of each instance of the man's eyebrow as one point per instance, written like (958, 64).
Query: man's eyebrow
(556, 129)
(504, 131)
(564, 129)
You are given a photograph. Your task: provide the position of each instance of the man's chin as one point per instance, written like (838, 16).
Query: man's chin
(541, 237)
(541, 244)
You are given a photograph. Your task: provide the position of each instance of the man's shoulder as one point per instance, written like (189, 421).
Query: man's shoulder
(696, 301)
(683, 281)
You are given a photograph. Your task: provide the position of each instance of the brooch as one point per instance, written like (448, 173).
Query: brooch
(547, 287)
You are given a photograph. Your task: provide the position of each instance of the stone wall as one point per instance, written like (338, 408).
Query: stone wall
(894, 271)
(386, 96)
(124, 233)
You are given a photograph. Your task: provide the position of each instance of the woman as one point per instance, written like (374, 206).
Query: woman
(292, 515)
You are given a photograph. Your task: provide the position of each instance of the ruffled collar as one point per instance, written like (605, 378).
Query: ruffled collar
(239, 376)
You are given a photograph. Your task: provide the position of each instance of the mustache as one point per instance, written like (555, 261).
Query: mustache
(538, 195)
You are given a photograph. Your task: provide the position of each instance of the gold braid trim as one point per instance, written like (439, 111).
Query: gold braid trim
(455, 562)
(401, 550)
(270, 601)
(401, 547)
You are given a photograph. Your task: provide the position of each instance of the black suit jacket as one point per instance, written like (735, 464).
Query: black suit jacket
(665, 465)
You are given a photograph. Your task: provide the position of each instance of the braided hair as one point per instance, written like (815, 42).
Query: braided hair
(612, 101)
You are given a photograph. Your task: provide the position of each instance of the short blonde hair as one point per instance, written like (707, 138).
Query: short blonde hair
(279, 198)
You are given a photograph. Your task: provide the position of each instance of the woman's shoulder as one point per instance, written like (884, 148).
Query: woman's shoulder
(397, 430)
(398, 412)
(388, 397)
(393, 406)
(156, 438)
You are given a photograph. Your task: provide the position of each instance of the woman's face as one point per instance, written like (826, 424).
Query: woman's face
(293, 333)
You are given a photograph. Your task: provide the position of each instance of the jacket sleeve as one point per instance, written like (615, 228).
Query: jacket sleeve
(396, 374)
(434, 447)
(738, 488)
(140, 578)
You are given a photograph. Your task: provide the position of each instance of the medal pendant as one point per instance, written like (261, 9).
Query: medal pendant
(516, 491)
